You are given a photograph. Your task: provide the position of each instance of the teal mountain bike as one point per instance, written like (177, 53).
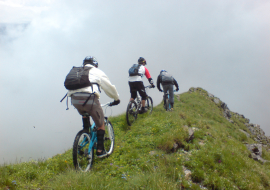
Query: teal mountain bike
(166, 99)
(86, 141)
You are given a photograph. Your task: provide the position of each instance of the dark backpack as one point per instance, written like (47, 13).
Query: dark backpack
(166, 77)
(134, 70)
(77, 78)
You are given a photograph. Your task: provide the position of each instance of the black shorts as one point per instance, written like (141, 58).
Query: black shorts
(137, 86)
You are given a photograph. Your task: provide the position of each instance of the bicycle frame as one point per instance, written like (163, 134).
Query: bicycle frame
(93, 135)
(138, 101)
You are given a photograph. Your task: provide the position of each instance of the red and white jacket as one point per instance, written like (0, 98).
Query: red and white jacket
(142, 71)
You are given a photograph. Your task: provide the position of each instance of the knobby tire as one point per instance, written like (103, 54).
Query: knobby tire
(81, 159)
(167, 104)
(131, 112)
(109, 138)
(149, 104)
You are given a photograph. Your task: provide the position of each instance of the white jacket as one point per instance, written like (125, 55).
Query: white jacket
(99, 77)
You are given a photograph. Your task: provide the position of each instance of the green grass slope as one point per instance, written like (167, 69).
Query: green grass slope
(145, 155)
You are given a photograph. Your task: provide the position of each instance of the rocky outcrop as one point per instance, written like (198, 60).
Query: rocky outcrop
(256, 132)
(240, 116)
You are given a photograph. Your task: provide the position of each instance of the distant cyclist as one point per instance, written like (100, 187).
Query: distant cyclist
(135, 82)
(167, 82)
(86, 98)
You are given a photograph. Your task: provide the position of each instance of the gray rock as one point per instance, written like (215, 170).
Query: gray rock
(227, 113)
(224, 106)
(255, 148)
(190, 133)
(210, 95)
(216, 100)
(192, 89)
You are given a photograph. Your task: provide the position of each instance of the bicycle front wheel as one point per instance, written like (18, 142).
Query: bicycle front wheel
(131, 113)
(149, 104)
(109, 138)
(82, 159)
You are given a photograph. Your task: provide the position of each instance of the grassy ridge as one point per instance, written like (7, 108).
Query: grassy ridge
(144, 158)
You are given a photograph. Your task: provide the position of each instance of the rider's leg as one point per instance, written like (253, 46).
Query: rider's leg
(93, 108)
(133, 90)
(171, 95)
(143, 104)
(165, 89)
(95, 111)
(142, 93)
(98, 118)
(86, 123)
(100, 138)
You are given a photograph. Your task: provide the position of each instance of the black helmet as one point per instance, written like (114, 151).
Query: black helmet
(141, 60)
(90, 60)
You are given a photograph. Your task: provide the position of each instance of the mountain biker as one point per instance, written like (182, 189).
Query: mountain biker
(92, 93)
(136, 83)
(167, 82)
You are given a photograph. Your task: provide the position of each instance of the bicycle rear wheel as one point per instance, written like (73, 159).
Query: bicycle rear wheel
(149, 104)
(167, 104)
(131, 113)
(82, 160)
(109, 138)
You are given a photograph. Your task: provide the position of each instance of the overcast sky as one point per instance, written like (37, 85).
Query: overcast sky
(221, 46)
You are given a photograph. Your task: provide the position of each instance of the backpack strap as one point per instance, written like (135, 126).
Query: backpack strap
(67, 100)
(88, 99)
(89, 68)
(63, 97)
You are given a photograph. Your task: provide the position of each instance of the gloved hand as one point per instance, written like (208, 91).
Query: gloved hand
(153, 86)
(177, 89)
(114, 103)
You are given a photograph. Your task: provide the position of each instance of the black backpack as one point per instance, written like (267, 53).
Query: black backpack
(77, 78)
(134, 70)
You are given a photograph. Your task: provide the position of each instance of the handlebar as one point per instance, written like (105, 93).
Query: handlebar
(110, 104)
(107, 104)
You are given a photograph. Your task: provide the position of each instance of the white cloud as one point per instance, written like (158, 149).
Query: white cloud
(21, 11)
